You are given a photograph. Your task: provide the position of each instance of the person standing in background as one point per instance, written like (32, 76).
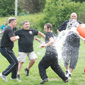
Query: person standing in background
(2, 28)
(4, 25)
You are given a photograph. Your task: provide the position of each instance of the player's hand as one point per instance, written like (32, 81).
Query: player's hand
(17, 37)
(42, 45)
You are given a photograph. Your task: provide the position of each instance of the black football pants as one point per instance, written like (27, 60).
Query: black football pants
(50, 59)
(13, 67)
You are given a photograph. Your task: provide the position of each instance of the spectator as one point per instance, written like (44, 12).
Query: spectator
(2, 28)
(4, 25)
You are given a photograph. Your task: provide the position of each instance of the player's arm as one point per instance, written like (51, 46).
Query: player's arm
(51, 41)
(14, 38)
(41, 34)
(82, 38)
(58, 31)
(36, 38)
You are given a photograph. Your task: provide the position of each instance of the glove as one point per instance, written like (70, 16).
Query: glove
(17, 37)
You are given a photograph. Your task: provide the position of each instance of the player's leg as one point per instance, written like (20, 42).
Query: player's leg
(21, 59)
(56, 67)
(32, 58)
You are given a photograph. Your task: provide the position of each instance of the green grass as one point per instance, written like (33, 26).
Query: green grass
(78, 76)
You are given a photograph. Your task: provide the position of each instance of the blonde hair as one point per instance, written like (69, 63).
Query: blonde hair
(11, 19)
(73, 14)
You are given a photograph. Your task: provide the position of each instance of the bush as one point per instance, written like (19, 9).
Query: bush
(7, 7)
(57, 11)
(23, 13)
(35, 20)
(81, 15)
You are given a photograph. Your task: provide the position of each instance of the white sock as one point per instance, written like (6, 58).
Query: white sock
(70, 73)
(66, 69)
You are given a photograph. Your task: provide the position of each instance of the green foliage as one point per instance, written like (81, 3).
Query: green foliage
(57, 11)
(33, 6)
(81, 15)
(42, 4)
(34, 19)
(23, 13)
(79, 0)
(7, 7)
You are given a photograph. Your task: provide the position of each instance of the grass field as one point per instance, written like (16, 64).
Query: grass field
(78, 76)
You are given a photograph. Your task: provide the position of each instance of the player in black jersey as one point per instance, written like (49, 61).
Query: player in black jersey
(50, 58)
(7, 43)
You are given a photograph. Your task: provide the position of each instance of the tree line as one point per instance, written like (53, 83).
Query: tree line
(57, 11)
(52, 11)
(7, 7)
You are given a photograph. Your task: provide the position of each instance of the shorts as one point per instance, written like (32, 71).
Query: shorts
(70, 54)
(22, 56)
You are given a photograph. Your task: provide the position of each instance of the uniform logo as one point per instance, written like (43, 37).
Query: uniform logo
(30, 32)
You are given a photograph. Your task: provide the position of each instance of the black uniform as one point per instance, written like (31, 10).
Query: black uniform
(7, 52)
(64, 25)
(70, 50)
(26, 39)
(50, 59)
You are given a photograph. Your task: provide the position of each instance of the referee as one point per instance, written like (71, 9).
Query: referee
(7, 43)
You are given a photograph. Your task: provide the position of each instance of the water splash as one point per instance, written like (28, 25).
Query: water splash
(61, 38)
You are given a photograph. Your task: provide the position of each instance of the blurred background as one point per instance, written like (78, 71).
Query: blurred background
(39, 12)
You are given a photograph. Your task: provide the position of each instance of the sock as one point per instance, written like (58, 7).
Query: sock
(67, 70)
(70, 73)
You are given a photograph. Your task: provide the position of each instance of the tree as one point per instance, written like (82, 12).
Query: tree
(79, 0)
(33, 6)
(57, 11)
(6, 7)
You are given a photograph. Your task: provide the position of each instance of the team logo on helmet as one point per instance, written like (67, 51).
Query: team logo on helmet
(30, 32)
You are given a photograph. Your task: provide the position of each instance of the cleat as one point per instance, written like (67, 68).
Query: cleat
(27, 72)
(18, 76)
(69, 77)
(3, 77)
(67, 74)
(16, 79)
(66, 81)
(43, 81)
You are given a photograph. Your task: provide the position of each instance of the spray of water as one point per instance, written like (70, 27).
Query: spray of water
(61, 38)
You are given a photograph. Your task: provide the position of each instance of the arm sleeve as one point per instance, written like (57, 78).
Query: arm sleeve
(79, 22)
(17, 32)
(49, 35)
(63, 26)
(35, 32)
(10, 33)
